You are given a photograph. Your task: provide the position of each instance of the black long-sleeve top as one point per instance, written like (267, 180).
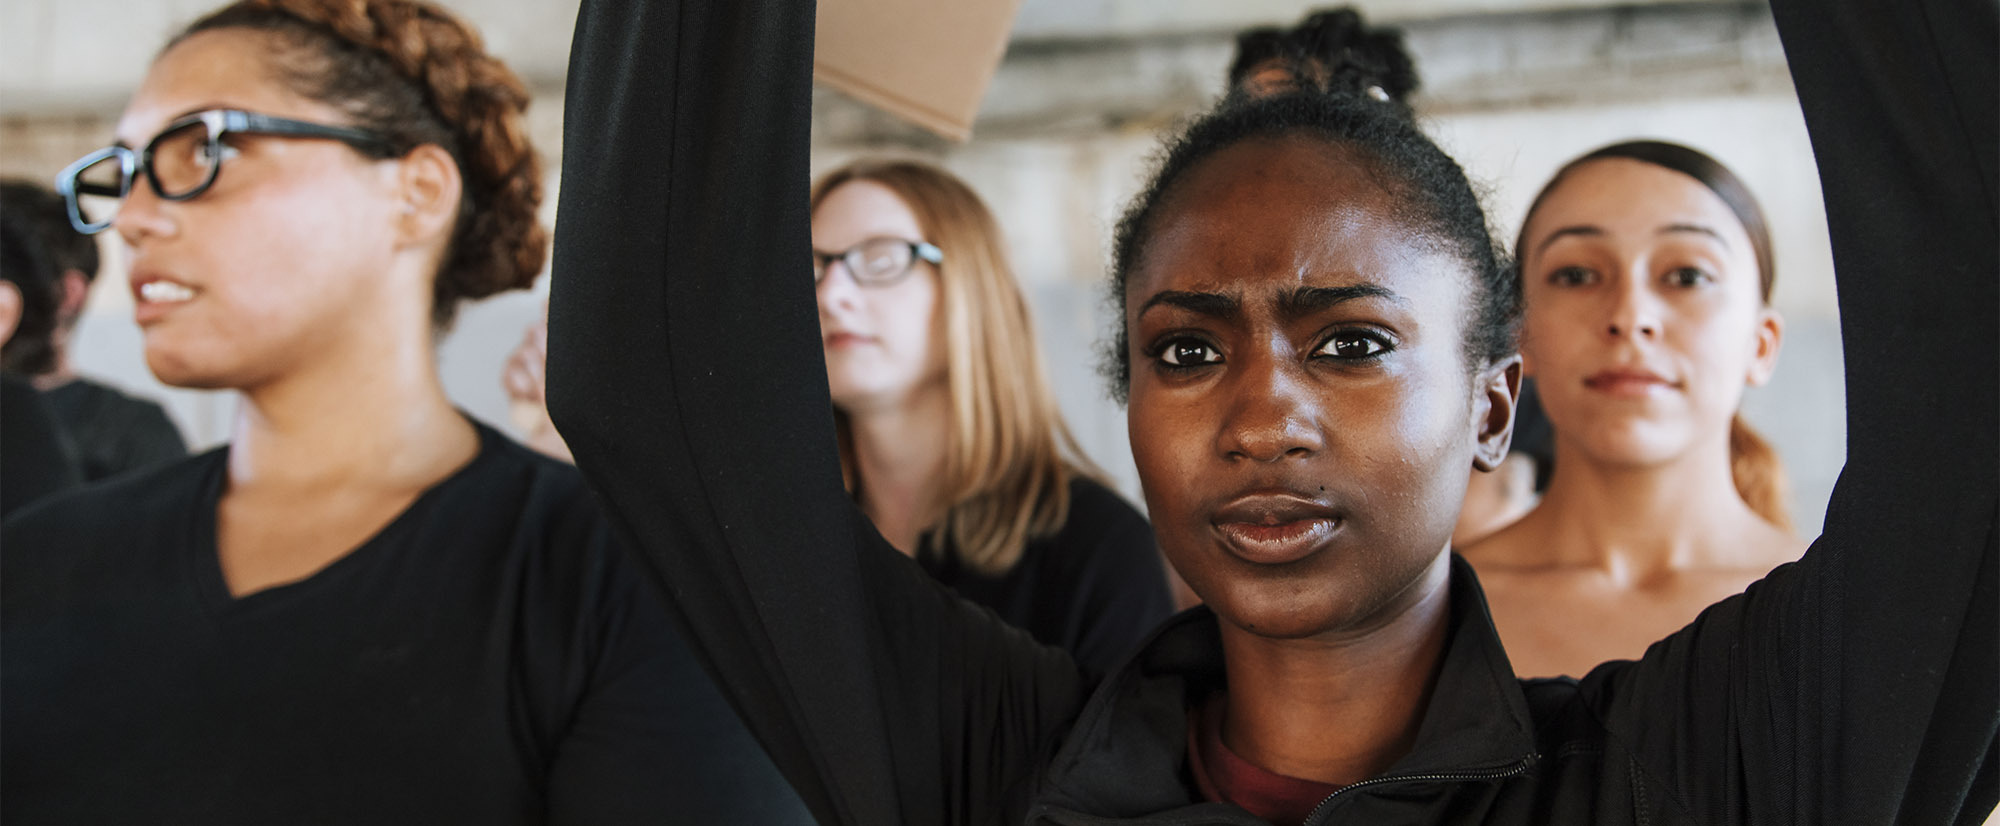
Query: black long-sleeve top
(1095, 587)
(491, 656)
(1855, 686)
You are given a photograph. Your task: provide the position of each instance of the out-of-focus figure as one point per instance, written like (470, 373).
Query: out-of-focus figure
(112, 431)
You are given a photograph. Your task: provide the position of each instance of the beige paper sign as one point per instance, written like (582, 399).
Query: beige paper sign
(925, 61)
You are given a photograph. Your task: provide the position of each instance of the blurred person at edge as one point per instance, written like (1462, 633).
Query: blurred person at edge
(1336, 51)
(36, 456)
(366, 607)
(950, 438)
(1646, 272)
(112, 432)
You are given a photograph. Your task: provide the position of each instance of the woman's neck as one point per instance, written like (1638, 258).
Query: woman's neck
(1636, 522)
(1342, 710)
(376, 416)
(899, 457)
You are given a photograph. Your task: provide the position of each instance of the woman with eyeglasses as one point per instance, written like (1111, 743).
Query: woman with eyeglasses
(366, 608)
(950, 439)
(1317, 342)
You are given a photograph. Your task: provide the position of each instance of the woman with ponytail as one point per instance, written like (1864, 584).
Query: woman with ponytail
(1315, 342)
(1646, 272)
(366, 608)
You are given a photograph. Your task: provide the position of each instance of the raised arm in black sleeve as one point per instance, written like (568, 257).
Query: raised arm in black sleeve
(1900, 97)
(684, 372)
(1858, 685)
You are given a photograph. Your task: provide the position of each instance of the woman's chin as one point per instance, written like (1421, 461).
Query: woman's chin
(176, 369)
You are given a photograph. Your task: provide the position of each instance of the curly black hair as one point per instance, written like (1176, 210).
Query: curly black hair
(1330, 51)
(1435, 194)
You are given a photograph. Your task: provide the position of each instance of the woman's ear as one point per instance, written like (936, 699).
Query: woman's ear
(1498, 392)
(11, 305)
(1770, 338)
(430, 187)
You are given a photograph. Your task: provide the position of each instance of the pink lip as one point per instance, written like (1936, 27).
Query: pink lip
(1275, 528)
(836, 340)
(1627, 382)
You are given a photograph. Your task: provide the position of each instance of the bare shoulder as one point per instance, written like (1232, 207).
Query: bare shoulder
(1759, 547)
(1520, 549)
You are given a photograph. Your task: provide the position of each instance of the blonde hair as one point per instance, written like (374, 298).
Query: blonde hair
(1009, 457)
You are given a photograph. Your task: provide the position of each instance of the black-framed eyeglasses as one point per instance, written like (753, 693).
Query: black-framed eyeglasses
(877, 262)
(183, 160)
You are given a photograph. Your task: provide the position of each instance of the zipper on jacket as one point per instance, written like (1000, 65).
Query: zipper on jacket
(1517, 768)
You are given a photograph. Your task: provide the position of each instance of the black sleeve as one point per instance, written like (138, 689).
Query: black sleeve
(1858, 685)
(652, 740)
(684, 372)
(1121, 592)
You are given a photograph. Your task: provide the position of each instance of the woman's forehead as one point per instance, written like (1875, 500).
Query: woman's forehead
(861, 209)
(217, 69)
(1629, 201)
(1281, 215)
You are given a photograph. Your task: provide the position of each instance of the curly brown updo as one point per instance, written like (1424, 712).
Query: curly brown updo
(414, 73)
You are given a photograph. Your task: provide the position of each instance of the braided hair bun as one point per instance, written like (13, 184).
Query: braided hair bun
(415, 73)
(1330, 51)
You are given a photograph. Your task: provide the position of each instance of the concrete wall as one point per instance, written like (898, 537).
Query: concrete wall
(1065, 134)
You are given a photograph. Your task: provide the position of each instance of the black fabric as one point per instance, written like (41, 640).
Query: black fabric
(36, 456)
(1854, 686)
(1095, 588)
(114, 432)
(489, 657)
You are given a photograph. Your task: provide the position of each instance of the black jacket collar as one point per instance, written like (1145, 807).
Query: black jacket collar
(1127, 754)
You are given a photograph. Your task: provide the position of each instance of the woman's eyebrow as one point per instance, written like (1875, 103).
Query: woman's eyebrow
(1210, 304)
(1698, 229)
(1306, 301)
(1584, 230)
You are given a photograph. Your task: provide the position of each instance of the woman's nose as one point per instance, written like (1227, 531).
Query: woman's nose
(836, 286)
(1272, 415)
(140, 216)
(1634, 311)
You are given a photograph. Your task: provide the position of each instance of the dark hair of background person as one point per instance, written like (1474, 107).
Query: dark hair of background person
(27, 261)
(1334, 50)
(1753, 463)
(49, 217)
(413, 73)
(1435, 194)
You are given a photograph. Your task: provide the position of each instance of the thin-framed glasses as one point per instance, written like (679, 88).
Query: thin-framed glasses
(877, 262)
(183, 160)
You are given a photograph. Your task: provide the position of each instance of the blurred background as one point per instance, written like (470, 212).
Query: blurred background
(1063, 138)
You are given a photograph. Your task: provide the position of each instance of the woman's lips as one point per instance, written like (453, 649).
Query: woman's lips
(1629, 384)
(1276, 544)
(1273, 529)
(839, 340)
(155, 296)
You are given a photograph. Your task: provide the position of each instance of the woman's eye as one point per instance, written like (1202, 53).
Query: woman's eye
(1189, 352)
(1572, 277)
(1687, 277)
(211, 152)
(1353, 346)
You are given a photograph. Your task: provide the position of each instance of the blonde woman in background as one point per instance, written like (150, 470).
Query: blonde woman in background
(1646, 271)
(950, 439)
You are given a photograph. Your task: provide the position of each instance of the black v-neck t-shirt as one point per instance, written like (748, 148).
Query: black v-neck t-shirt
(490, 656)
